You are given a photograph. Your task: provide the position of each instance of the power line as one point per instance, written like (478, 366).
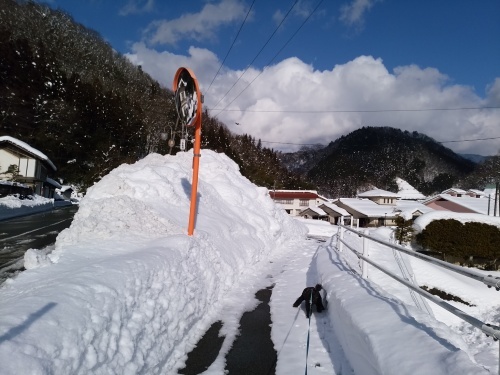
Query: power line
(264, 46)
(471, 140)
(315, 144)
(351, 111)
(274, 57)
(232, 44)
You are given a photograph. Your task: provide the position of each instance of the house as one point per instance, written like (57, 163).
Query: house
(315, 213)
(65, 192)
(335, 213)
(294, 201)
(366, 213)
(461, 203)
(455, 192)
(24, 164)
(379, 196)
(410, 210)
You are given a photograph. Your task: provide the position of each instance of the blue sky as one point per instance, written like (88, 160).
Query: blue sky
(352, 55)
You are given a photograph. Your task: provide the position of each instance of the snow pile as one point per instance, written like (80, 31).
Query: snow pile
(422, 221)
(377, 323)
(128, 291)
(12, 201)
(11, 206)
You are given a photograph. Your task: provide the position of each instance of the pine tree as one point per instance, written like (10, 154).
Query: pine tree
(404, 230)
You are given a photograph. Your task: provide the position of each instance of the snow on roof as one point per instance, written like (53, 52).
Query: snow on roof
(53, 183)
(405, 205)
(368, 208)
(26, 147)
(406, 191)
(477, 192)
(316, 210)
(454, 190)
(489, 191)
(336, 208)
(422, 221)
(479, 205)
(407, 208)
(378, 193)
(289, 194)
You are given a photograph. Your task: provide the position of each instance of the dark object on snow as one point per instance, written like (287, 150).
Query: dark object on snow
(316, 299)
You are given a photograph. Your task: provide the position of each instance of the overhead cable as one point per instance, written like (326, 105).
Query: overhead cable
(274, 57)
(232, 44)
(264, 46)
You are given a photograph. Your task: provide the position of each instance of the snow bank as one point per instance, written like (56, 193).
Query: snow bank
(381, 335)
(128, 291)
(11, 206)
(422, 221)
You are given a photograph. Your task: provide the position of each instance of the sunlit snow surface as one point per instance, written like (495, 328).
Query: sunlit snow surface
(126, 291)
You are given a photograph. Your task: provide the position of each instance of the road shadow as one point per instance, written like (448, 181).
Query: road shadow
(14, 331)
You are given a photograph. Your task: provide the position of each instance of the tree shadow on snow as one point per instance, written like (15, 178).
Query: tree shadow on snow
(14, 331)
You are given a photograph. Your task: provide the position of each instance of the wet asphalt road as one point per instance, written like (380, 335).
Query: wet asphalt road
(30, 232)
(252, 352)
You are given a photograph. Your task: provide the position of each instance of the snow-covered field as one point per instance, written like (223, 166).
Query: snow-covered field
(126, 291)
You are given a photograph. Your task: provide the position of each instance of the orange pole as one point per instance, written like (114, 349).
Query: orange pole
(196, 166)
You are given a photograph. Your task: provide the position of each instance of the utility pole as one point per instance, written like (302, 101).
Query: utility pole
(496, 199)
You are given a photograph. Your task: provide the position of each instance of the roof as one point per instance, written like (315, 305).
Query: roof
(479, 205)
(292, 194)
(406, 191)
(27, 148)
(52, 182)
(315, 209)
(368, 207)
(335, 208)
(454, 190)
(378, 193)
(408, 208)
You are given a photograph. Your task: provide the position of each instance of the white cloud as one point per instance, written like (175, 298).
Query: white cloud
(353, 13)
(137, 7)
(196, 26)
(292, 102)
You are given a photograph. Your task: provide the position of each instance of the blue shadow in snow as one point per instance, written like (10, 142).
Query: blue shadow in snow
(14, 331)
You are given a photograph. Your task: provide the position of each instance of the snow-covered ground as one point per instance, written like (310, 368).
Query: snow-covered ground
(126, 291)
(11, 206)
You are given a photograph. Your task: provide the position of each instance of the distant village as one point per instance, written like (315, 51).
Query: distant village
(376, 208)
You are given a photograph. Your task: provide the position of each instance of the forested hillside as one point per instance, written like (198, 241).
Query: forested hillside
(375, 156)
(66, 92)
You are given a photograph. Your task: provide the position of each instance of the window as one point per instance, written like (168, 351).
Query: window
(304, 202)
(283, 201)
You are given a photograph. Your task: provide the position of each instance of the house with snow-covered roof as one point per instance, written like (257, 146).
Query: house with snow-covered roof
(28, 166)
(315, 213)
(380, 196)
(335, 213)
(366, 213)
(454, 192)
(294, 201)
(461, 203)
(410, 209)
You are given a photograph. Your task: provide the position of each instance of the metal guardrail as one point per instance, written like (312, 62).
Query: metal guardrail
(489, 280)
